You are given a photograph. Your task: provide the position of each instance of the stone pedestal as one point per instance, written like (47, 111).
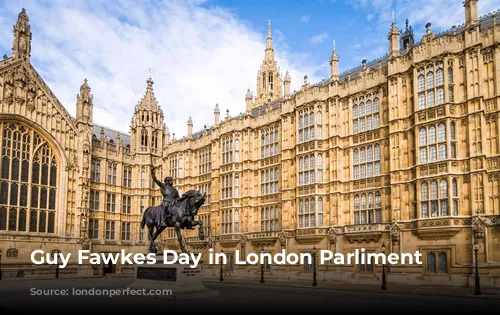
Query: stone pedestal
(183, 281)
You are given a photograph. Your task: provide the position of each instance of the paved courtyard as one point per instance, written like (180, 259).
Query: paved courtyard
(16, 298)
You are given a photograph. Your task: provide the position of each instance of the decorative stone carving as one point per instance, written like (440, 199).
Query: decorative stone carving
(332, 235)
(12, 253)
(395, 232)
(478, 227)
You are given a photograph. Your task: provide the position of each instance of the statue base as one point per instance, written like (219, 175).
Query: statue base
(170, 281)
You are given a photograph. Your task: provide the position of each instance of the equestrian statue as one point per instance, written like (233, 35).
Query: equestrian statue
(174, 211)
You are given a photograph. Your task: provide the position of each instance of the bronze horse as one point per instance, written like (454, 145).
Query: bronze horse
(180, 216)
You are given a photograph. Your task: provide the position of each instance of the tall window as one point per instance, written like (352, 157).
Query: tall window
(269, 140)
(310, 213)
(95, 170)
(230, 221)
(430, 85)
(451, 86)
(110, 230)
(434, 198)
(206, 188)
(110, 202)
(368, 208)
(205, 218)
(227, 186)
(22, 148)
(127, 176)
(111, 173)
(432, 143)
(173, 167)
(126, 204)
(453, 143)
(236, 193)
(93, 228)
(366, 161)
(269, 218)
(154, 142)
(125, 231)
(205, 161)
(181, 168)
(309, 166)
(143, 179)
(366, 115)
(94, 200)
(454, 195)
(230, 150)
(437, 262)
(310, 125)
(269, 179)
(144, 140)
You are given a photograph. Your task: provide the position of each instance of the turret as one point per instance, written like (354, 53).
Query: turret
(393, 39)
(249, 100)
(190, 127)
(286, 84)
(216, 115)
(471, 16)
(334, 64)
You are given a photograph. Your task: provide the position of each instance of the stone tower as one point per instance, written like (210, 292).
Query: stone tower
(269, 82)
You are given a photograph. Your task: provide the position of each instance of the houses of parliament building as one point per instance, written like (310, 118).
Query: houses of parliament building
(402, 151)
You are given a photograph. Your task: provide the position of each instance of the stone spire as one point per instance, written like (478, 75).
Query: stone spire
(148, 101)
(21, 46)
(269, 82)
(334, 63)
(269, 43)
(393, 39)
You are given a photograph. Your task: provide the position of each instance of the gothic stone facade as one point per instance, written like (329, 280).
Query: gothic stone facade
(391, 152)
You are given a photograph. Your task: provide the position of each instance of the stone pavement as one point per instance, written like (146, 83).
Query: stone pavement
(391, 288)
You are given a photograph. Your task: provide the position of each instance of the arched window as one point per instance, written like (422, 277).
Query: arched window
(236, 186)
(355, 111)
(450, 75)
(452, 130)
(420, 82)
(181, 168)
(301, 122)
(368, 208)
(430, 79)
(21, 148)
(442, 262)
(454, 188)
(431, 262)
(424, 191)
(320, 211)
(366, 163)
(368, 107)
(319, 118)
(439, 77)
(432, 144)
(144, 139)
(237, 150)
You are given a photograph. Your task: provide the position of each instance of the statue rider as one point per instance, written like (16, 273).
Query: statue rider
(169, 193)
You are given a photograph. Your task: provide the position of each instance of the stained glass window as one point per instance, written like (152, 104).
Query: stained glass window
(21, 148)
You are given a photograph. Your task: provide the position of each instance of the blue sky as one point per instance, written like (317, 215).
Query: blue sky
(203, 52)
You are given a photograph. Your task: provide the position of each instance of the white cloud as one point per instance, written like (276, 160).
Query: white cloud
(199, 56)
(319, 38)
(370, 17)
(304, 19)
